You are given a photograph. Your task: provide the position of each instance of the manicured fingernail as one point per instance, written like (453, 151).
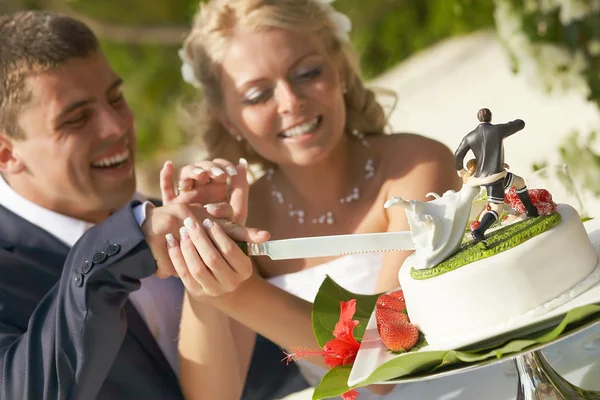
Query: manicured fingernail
(207, 223)
(211, 207)
(243, 162)
(170, 240)
(183, 232)
(263, 232)
(231, 171)
(189, 223)
(217, 171)
(168, 162)
(197, 170)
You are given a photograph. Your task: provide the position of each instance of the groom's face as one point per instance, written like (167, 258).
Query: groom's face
(77, 154)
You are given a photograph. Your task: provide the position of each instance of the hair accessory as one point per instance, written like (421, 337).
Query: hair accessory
(187, 71)
(341, 20)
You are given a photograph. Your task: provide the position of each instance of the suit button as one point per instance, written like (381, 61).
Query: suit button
(113, 249)
(78, 279)
(99, 257)
(86, 267)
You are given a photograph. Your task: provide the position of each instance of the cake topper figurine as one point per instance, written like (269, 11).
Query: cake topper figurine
(489, 170)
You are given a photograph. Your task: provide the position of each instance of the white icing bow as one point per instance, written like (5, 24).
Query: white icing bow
(340, 20)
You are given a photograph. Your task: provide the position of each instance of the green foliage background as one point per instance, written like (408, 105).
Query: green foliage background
(384, 31)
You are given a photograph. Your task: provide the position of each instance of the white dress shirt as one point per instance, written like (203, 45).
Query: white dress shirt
(158, 301)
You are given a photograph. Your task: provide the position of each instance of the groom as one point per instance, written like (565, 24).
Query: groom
(83, 312)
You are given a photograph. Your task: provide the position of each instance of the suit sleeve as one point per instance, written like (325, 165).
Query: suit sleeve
(460, 153)
(512, 127)
(75, 333)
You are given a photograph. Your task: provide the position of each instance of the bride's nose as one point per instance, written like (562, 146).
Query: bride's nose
(289, 99)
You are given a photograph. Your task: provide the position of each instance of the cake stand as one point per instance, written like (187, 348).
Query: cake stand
(537, 380)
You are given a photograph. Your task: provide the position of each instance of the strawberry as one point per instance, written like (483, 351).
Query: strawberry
(398, 336)
(387, 301)
(399, 294)
(385, 315)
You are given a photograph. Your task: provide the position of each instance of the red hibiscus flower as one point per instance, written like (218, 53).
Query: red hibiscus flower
(339, 351)
(350, 395)
(343, 349)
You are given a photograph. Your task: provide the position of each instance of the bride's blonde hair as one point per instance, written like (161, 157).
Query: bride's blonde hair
(207, 43)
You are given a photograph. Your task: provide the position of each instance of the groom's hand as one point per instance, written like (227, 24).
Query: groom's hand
(204, 182)
(161, 221)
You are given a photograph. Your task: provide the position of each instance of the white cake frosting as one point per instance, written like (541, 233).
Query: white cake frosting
(524, 282)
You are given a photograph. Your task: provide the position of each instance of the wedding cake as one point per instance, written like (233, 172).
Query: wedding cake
(501, 290)
(481, 270)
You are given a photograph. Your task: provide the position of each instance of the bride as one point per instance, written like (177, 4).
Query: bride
(282, 89)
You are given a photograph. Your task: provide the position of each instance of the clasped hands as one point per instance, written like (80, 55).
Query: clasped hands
(192, 235)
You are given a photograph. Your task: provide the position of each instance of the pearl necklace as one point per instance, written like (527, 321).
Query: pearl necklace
(328, 216)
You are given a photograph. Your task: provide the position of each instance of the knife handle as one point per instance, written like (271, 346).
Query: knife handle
(243, 246)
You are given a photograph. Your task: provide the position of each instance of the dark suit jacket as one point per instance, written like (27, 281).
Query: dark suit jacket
(486, 143)
(67, 328)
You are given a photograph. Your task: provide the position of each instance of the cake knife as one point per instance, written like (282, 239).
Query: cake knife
(333, 245)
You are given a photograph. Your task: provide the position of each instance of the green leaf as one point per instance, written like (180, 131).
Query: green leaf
(326, 310)
(335, 382)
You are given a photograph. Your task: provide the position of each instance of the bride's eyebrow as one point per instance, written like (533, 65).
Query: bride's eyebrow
(252, 81)
(302, 58)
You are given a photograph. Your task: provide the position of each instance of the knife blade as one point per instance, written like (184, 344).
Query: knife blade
(333, 245)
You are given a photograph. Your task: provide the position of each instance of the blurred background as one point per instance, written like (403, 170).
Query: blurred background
(537, 60)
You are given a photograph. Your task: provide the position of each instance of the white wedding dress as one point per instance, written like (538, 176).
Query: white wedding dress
(357, 273)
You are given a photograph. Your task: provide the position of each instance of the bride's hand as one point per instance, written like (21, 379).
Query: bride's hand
(208, 261)
(205, 182)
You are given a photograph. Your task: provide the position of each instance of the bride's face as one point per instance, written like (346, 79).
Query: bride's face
(283, 94)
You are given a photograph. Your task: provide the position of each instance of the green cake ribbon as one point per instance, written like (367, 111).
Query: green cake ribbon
(326, 312)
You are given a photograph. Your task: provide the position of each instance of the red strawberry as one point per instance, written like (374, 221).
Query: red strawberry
(534, 195)
(398, 294)
(385, 315)
(387, 301)
(399, 336)
(545, 208)
(545, 196)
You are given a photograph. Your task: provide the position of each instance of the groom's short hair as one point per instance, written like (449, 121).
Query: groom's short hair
(35, 42)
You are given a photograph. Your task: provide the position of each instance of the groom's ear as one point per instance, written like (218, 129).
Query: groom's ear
(10, 163)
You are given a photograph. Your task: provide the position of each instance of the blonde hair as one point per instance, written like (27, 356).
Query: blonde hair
(207, 44)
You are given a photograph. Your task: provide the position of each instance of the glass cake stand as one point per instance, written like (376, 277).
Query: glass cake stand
(537, 380)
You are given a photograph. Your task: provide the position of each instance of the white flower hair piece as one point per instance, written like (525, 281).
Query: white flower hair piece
(341, 20)
(187, 71)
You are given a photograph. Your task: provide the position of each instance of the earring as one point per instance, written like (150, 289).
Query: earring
(345, 90)
(239, 138)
